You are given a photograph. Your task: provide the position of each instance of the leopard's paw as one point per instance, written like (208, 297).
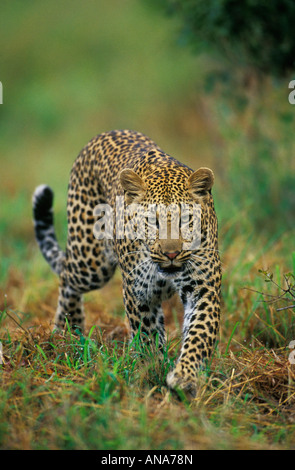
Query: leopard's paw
(184, 386)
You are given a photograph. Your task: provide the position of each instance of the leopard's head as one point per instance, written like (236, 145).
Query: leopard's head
(170, 208)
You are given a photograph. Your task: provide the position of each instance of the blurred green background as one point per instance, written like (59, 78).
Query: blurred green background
(73, 69)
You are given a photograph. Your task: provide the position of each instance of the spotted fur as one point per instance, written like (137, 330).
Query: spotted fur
(128, 164)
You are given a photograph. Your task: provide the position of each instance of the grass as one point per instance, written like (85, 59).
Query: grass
(67, 391)
(70, 392)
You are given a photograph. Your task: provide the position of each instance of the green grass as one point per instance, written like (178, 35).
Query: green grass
(67, 391)
(71, 72)
(73, 392)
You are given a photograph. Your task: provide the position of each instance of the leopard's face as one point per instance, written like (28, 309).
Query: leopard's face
(171, 212)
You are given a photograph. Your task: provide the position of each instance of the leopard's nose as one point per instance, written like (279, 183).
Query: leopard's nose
(171, 254)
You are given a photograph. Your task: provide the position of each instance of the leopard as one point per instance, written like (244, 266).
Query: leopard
(127, 166)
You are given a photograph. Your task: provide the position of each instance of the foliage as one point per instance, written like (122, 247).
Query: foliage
(255, 34)
(275, 325)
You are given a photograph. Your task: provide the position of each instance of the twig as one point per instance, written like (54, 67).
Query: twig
(20, 326)
(284, 308)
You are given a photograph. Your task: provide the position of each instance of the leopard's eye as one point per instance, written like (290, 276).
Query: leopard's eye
(152, 219)
(185, 218)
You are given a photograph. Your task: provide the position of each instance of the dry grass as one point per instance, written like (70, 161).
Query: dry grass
(54, 390)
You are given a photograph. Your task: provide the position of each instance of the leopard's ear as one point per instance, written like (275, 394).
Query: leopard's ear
(133, 186)
(200, 182)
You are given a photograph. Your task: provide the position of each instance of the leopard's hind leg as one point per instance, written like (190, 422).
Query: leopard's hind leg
(84, 271)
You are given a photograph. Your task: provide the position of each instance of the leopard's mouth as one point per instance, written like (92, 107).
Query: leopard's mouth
(172, 269)
(167, 267)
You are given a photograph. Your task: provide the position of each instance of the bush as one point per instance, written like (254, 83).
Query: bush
(252, 33)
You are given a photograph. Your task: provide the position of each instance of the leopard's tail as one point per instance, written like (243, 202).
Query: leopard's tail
(44, 229)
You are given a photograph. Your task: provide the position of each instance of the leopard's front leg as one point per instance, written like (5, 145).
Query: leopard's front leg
(200, 328)
(145, 316)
